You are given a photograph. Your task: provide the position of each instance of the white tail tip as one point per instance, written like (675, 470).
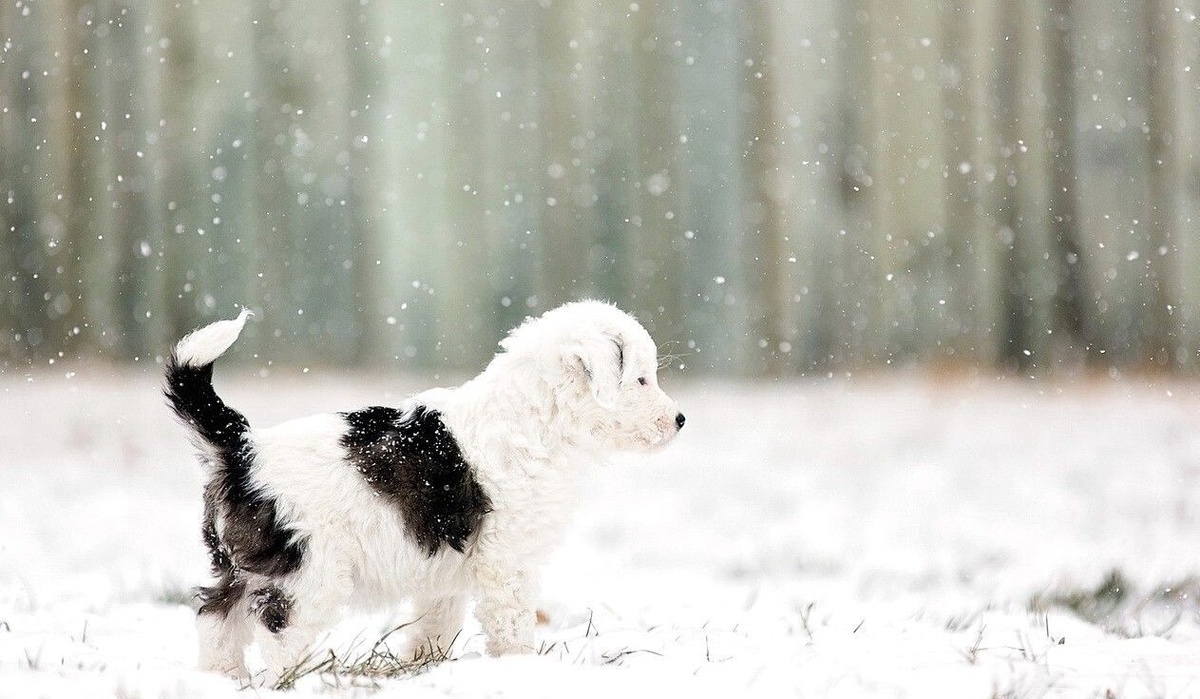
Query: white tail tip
(204, 345)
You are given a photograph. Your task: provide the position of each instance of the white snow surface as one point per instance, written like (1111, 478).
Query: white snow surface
(862, 537)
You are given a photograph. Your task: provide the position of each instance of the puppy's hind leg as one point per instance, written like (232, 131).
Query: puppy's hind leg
(283, 635)
(291, 614)
(223, 629)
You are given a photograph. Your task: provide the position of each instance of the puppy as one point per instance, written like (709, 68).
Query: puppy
(455, 496)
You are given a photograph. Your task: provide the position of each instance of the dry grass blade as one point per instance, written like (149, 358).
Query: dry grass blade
(610, 658)
(377, 662)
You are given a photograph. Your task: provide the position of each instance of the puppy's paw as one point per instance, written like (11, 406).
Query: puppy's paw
(231, 667)
(430, 650)
(497, 647)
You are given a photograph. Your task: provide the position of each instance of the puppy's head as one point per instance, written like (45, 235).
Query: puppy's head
(603, 367)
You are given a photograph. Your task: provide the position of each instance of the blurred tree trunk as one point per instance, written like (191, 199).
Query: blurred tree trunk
(1112, 191)
(367, 179)
(76, 167)
(461, 276)
(854, 286)
(765, 258)
(883, 275)
(1173, 43)
(712, 200)
(652, 257)
(1031, 282)
(127, 113)
(609, 33)
(1067, 262)
(97, 252)
(280, 238)
(567, 226)
(176, 167)
(497, 40)
(514, 149)
(22, 123)
(1161, 119)
(973, 178)
(417, 197)
(1186, 246)
(907, 238)
(808, 74)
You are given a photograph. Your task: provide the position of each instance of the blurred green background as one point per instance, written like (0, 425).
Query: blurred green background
(776, 187)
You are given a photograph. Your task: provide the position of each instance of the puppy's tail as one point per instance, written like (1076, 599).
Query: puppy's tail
(217, 427)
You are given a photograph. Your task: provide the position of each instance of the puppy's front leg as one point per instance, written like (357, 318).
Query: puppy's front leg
(437, 627)
(506, 608)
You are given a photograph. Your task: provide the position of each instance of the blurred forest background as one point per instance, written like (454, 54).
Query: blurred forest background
(774, 187)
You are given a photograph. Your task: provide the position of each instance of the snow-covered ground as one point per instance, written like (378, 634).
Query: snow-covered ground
(885, 536)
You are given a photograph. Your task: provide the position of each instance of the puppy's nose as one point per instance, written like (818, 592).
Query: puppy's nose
(679, 420)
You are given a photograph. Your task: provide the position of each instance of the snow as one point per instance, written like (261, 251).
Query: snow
(880, 536)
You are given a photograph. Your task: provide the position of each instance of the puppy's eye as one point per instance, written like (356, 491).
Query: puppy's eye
(642, 380)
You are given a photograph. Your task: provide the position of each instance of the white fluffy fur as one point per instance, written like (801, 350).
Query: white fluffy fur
(203, 346)
(551, 403)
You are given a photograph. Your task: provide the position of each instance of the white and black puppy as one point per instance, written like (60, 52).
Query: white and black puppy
(454, 496)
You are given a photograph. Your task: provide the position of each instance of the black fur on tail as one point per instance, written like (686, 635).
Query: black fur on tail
(190, 392)
(241, 525)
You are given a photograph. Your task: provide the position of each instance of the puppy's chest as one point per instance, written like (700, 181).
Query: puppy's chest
(529, 513)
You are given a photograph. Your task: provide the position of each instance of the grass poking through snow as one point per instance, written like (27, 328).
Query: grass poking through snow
(356, 667)
(1117, 606)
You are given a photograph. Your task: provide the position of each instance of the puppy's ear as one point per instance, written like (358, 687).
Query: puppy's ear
(602, 361)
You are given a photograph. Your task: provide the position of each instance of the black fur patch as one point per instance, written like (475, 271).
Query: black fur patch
(241, 526)
(251, 536)
(272, 606)
(413, 460)
(219, 598)
(190, 392)
(222, 597)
